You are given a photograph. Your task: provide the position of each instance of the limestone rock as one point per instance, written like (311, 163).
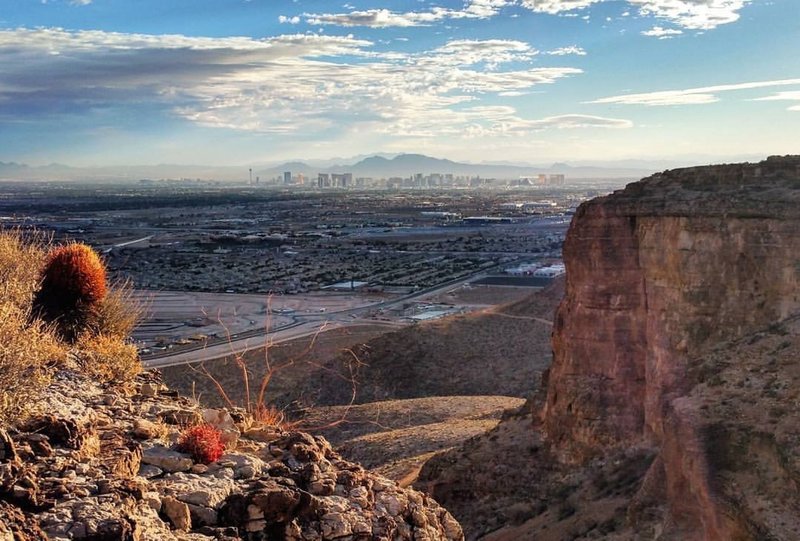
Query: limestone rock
(80, 474)
(177, 512)
(204, 490)
(16, 526)
(167, 459)
(145, 430)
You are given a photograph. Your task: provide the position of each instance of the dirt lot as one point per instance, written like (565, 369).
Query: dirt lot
(175, 315)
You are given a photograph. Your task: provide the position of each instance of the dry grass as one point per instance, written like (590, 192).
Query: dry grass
(21, 262)
(108, 358)
(26, 350)
(118, 313)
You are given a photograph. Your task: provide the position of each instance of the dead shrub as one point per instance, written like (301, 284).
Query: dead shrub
(118, 313)
(26, 350)
(21, 262)
(108, 358)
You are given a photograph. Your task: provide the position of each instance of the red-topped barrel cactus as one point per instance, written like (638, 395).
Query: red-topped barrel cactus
(203, 442)
(73, 284)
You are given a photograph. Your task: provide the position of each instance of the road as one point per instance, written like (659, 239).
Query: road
(303, 325)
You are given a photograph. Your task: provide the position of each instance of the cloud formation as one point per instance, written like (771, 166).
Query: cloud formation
(691, 96)
(791, 95)
(382, 18)
(662, 33)
(296, 83)
(571, 50)
(689, 14)
(686, 14)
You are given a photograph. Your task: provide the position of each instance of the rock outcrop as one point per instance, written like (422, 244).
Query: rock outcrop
(669, 282)
(658, 274)
(99, 464)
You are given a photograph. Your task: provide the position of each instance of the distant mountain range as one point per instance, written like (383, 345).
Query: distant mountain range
(375, 166)
(406, 165)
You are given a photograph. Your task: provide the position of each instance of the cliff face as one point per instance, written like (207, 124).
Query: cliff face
(670, 410)
(657, 275)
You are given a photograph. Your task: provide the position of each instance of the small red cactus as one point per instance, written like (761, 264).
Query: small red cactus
(73, 283)
(203, 442)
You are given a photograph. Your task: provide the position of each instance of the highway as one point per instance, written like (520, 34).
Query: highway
(302, 325)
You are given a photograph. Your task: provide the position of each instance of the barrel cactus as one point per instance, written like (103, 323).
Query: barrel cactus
(73, 284)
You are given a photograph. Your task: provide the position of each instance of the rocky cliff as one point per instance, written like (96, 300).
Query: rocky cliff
(98, 463)
(673, 342)
(658, 274)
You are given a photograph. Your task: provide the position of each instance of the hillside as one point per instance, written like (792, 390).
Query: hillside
(669, 408)
(92, 449)
(501, 351)
(418, 390)
(98, 463)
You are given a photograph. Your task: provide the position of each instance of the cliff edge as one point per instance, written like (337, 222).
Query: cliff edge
(670, 406)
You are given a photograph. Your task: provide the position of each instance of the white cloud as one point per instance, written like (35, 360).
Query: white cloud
(381, 18)
(300, 83)
(557, 6)
(283, 19)
(563, 51)
(691, 96)
(662, 33)
(693, 14)
(80, 2)
(690, 14)
(791, 95)
(470, 52)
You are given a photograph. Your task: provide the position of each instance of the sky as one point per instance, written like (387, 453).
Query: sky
(234, 82)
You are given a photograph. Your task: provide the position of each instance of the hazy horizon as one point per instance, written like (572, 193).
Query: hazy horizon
(215, 83)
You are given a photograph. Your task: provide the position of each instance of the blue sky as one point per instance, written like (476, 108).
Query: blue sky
(231, 82)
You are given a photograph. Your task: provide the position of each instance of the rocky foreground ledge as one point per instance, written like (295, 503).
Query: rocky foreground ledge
(97, 463)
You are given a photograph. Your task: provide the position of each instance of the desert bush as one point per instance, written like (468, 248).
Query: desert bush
(21, 262)
(73, 283)
(118, 313)
(108, 358)
(26, 349)
(202, 442)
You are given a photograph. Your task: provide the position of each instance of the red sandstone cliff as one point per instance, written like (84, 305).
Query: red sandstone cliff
(663, 348)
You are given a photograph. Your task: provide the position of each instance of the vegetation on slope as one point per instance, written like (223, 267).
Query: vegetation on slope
(34, 341)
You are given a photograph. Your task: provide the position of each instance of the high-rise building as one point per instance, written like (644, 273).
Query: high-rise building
(342, 180)
(287, 177)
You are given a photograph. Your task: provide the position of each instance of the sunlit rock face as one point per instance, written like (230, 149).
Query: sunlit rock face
(658, 274)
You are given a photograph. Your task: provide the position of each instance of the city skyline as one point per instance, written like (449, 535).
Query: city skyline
(223, 82)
